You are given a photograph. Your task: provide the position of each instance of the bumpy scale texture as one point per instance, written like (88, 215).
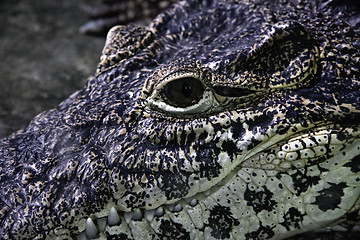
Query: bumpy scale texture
(220, 120)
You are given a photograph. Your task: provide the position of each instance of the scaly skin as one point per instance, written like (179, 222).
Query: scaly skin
(220, 120)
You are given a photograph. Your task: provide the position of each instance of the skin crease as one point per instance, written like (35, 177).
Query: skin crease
(219, 120)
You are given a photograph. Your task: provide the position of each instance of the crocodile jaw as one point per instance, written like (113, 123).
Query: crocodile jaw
(264, 191)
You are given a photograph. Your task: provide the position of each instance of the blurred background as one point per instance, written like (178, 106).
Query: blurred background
(44, 57)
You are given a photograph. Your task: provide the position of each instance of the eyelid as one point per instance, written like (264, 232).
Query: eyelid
(203, 105)
(177, 75)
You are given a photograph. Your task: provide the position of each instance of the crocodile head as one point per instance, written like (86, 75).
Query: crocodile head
(221, 120)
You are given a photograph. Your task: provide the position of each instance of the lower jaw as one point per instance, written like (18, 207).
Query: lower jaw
(260, 174)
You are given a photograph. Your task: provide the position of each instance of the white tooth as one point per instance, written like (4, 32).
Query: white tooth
(81, 236)
(339, 228)
(207, 192)
(128, 216)
(149, 214)
(170, 207)
(356, 228)
(193, 202)
(90, 229)
(101, 223)
(137, 214)
(178, 207)
(159, 212)
(113, 218)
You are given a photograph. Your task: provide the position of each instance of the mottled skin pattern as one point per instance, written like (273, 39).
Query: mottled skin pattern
(221, 120)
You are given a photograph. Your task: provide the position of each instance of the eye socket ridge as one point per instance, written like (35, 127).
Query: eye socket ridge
(183, 92)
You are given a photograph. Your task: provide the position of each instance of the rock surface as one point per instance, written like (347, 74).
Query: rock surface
(44, 58)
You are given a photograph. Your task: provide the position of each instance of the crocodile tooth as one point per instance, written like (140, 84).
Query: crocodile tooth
(128, 216)
(207, 192)
(101, 222)
(177, 207)
(137, 215)
(81, 236)
(149, 215)
(193, 202)
(356, 228)
(170, 207)
(113, 218)
(90, 229)
(338, 228)
(159, 212)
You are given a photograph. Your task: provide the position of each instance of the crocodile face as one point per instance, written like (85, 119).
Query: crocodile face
(221, 120)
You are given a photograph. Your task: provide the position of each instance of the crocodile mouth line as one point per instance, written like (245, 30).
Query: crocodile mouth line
(94, 229)
(305, 148)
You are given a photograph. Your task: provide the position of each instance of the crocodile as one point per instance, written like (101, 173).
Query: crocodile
(219, 120)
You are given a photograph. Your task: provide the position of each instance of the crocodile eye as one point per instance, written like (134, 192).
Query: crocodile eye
(183, 92)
